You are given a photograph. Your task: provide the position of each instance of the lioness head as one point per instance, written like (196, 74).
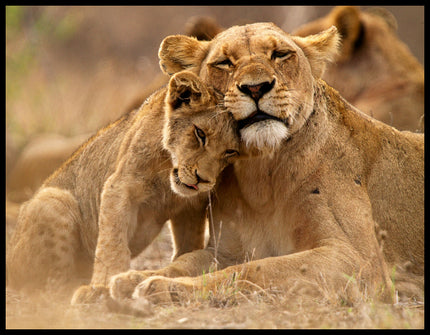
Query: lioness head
(199, 133)
(267, 75)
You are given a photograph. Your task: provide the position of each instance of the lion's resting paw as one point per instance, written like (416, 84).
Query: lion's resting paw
(121, 286)
(159, 290)
(90, 294)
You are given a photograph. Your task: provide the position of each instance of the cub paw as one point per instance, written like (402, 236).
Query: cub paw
(88, 294)
(121, 286)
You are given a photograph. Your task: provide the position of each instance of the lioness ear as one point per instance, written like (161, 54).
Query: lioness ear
(180, 52)
(186, 88)
(320, 48)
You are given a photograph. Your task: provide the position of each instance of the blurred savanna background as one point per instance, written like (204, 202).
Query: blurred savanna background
(70, 71)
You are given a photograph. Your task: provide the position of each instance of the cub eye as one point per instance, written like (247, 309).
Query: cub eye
(200, 134)
(224, 64)
(282, 54)
(230, 153)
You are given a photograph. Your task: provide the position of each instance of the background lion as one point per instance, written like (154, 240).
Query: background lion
(375, 70)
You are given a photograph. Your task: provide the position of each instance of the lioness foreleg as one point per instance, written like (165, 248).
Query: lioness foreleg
(324, 270)
(190, 264)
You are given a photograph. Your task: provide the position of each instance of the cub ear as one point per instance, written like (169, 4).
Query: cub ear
(320, 48)
(186, 88)
(180, 52)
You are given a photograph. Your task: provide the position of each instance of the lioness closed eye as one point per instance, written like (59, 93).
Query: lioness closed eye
(112, 197)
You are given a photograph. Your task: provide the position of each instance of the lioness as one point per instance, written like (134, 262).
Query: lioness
(112, 197)
(375, 70)
(325, 184)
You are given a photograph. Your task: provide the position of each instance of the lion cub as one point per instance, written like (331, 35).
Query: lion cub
(114, 194)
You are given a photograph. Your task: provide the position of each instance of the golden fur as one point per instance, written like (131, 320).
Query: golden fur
(332, 197)
(112, 197)
(39, 158)
(375, 70)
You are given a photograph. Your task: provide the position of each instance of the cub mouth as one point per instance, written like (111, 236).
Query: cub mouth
(180, 183)
(257, 116)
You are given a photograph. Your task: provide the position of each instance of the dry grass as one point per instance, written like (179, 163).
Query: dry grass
(70, 71)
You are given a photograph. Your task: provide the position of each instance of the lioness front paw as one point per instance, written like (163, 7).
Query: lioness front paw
(159, 290)
(88, 294)
(121, 286)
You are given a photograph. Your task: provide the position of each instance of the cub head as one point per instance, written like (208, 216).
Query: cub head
(199, 133)
(266, 75)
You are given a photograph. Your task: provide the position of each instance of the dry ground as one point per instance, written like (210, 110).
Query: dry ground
(71, 70)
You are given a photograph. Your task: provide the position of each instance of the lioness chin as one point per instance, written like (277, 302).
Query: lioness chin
(329, 198)
(112, 197)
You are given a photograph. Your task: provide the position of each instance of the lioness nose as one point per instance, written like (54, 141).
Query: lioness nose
(256, 91)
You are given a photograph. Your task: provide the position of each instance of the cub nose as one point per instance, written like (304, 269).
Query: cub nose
(256, 91)
(200, 179)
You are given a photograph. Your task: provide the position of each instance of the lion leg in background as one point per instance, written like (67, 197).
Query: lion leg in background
(188, 231)
(52, 248)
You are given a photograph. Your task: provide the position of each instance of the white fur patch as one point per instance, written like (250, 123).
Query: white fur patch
(264, 134)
